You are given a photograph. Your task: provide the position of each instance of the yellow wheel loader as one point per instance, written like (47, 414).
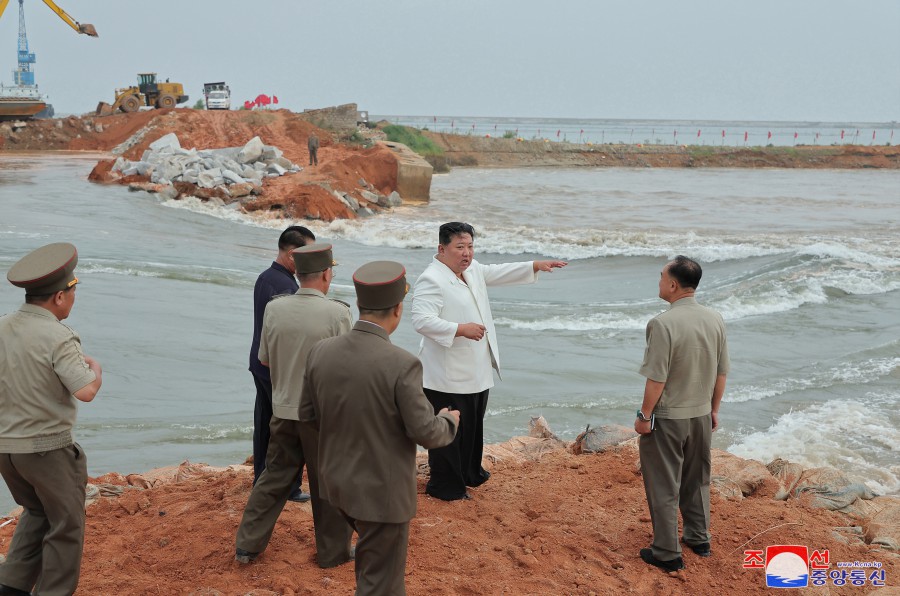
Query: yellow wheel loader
(148, 92)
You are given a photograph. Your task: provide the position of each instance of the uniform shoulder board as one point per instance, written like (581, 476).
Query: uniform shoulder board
(339, 302)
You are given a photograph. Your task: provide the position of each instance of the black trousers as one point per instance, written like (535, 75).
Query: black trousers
(262, 417)
(458, 465)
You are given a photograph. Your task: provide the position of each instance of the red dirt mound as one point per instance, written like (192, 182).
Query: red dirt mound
(561, 524)
(346, 168)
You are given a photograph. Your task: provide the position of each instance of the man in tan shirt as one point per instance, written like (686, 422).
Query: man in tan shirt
(42, 373)
(685, 364)
(292, 325)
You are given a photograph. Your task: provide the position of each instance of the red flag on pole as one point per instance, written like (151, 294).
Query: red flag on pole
(795, 136)
(274, 99)
(873, 135)
(842, 135)
(248, 105)
(770, 135)
(745, 136)
(723, 134)
(582, 132)
(698, 133)
(435, 119)
(557, 134)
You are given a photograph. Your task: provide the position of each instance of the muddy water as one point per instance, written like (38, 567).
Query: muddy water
(804, 265)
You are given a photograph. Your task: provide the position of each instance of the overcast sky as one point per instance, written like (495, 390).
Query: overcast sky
(807, 60)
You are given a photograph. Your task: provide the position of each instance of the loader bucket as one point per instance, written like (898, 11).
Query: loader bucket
(87, 29)
(104, 109)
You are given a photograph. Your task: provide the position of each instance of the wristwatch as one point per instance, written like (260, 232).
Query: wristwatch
(641, 417)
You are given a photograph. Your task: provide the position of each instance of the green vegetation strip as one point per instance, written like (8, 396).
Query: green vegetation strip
(412, 138)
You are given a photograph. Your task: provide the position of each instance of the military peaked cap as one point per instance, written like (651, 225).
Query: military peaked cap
(380, 285)
(313, 258)
(48, 269)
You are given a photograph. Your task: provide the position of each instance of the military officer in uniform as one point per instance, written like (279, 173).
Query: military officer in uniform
(292, 324)
(365, 396)
(42, 373)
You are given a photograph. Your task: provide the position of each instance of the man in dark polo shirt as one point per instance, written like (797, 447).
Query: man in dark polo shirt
(685, 364)
(277, 280)
(291, 327)
(43, 375)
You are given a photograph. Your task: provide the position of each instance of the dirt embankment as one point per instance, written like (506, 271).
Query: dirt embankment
(344, 167)
(470, 150)
(548, 522)
(366, 176)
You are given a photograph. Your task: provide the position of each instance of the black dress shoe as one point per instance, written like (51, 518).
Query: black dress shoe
(701, 550)
(298, 496)
(673, 565)
(8, 591)
(244, 556)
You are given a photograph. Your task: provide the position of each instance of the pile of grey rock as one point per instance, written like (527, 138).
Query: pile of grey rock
(238, 171)
(369, 197)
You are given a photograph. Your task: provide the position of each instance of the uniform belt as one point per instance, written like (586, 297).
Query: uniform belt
(36, 444)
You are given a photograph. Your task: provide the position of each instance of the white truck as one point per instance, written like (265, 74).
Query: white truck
(217, 96)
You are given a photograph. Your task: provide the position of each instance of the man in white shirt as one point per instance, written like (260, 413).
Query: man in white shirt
(459, 349)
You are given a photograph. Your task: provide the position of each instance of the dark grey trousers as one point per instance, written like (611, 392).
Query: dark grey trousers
(291, 445)
(675, 464)
(380, 558)
(45, 552)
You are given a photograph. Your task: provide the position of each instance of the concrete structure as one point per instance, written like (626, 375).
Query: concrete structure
(413, 173)
(343, 117)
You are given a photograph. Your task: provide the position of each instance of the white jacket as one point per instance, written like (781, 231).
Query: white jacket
(440, 302)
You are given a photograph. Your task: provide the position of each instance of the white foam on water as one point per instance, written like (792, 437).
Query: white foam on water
(779, 297)
(228, 213)
(130, 271)
(193, 272)
(843, 251)
(209, 433)
(842, 434)
(17, 234)
(597, 321)
(861, 282)
(850, 373)
(537, 406)
(789, 290)
(416, 227)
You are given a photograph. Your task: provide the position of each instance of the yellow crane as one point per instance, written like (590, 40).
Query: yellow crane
(79, 27)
